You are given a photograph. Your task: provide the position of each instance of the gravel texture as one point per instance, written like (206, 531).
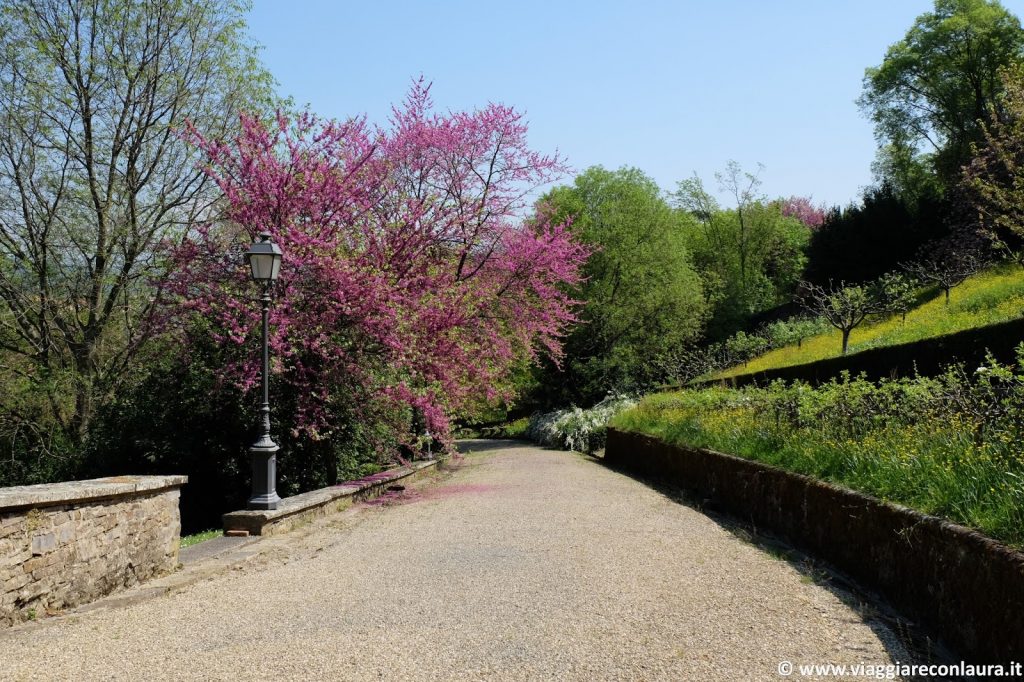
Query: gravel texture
(524, 564)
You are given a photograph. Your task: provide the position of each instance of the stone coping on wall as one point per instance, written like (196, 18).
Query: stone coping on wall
(74, 492)
(292, 511)
(960, 583)
(65, 544)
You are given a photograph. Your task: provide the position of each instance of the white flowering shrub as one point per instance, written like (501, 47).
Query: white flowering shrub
(575, 428)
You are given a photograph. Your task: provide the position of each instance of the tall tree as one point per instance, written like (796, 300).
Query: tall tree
(748, 233)
(992, 186)
(408, 273)
(750, 255)
(94, 175)
(642, 296)
(934, 86)
(862, 241)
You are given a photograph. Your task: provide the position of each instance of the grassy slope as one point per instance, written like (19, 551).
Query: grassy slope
(994, 296)
(935, 466)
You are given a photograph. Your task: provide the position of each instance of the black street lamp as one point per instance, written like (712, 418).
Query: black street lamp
(264, 259)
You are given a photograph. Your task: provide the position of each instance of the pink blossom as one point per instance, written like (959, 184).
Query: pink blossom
(407, 267)
(803, 210)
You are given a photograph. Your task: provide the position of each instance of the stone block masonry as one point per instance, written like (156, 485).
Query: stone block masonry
(300, 509)
(965, 587)
(65, 544)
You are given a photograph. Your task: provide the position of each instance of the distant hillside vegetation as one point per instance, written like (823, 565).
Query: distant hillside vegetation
(996, 295)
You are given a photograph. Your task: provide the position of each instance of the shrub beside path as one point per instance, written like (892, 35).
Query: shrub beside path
(522, 564)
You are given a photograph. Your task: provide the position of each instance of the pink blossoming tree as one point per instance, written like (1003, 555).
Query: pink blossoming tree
(803, 210)
(407, 269)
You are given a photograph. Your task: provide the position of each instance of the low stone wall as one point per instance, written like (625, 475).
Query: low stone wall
(65, 544)
(963, 585)
(299, 509)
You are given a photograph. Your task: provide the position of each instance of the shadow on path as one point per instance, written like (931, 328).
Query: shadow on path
(903, 639)
(469, 445)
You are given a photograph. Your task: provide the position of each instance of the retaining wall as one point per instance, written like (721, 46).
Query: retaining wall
(65, 544)
(927, 357)
(300, 509)
(966, 587)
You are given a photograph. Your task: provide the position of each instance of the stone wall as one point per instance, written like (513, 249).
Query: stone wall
(962, 585)
(300, 509)
(65, 544)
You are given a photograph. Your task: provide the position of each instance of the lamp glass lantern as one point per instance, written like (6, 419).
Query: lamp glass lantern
(264, 259)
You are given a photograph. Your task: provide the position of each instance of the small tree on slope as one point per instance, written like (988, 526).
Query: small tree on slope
(844, 307)
(947, 263)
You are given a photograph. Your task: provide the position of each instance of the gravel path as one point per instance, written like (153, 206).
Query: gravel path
(523, 564)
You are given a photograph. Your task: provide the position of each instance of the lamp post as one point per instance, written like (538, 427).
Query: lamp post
(264, 259)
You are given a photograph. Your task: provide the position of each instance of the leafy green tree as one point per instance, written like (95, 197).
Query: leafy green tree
(899, 292)
(94, 175)
(865, 240)
(741, 347)
(992, 186)
(795, 330)
(935, 85)
(751, 255)
(642, 297)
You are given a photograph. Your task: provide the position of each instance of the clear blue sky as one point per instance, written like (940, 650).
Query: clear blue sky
(668, 87)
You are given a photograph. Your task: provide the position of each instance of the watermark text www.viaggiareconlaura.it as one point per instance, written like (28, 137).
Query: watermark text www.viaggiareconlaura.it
(890, 671)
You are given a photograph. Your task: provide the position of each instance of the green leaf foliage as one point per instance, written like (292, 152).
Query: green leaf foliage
(642, 295)
(95, 176)
(947, 446)
(750, 256)
(928, 95)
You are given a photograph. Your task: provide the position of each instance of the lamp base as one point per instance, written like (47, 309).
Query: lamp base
(264, 478)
